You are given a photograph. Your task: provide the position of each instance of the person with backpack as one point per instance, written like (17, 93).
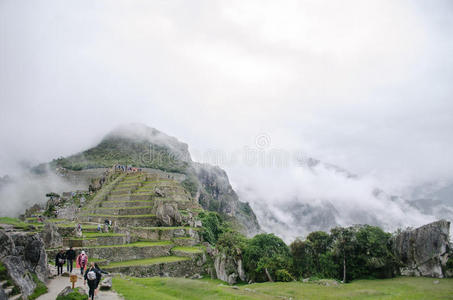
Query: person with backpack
(91, 276)
(70, 256)
(60, 259)
(100, 275)
(82, 261)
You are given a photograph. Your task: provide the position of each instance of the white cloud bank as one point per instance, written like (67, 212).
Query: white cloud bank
(365, 85)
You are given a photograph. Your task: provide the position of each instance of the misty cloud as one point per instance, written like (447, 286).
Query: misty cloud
(361, 85)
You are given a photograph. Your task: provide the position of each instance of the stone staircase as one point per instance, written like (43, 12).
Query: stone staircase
(11, 292)
(138, 244)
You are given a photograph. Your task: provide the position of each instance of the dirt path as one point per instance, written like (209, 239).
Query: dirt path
(57, 284)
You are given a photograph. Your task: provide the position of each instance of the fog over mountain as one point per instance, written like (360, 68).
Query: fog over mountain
(321, 112)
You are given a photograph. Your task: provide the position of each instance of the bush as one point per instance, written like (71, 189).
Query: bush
(213, 226)
(74, 295)
(265, 254)
(283, 275)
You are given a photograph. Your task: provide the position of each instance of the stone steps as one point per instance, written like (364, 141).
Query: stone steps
(127, 203)
(191, 252)
(122, 220)
(16, 297)
(164, 233)
(185, 241)
(117, 239)
(130, 197)
(137, 210)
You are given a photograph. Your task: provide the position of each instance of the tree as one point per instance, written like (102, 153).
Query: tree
(213, 226)
(320, 242)
(264, 254)
(302, 253)
(344, 242)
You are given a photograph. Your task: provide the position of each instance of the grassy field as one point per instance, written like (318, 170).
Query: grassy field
(179, 288)
(15, 222)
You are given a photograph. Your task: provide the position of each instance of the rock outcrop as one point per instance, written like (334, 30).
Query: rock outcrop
(168, 214)
(51, 237)
(216, 194)
(227, 268)
(23, 254)
(424, 251)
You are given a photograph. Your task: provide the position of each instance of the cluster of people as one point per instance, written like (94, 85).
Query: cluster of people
(92, 274)
(128, 169)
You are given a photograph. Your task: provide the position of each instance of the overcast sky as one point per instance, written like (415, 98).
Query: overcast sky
(366, 85)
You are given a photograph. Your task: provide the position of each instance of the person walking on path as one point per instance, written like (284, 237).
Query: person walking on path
(91, 276)
(98, 279)
(82, 261)
(70, 257)
(59, 261)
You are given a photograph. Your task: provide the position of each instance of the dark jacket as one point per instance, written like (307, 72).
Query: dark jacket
(99, 269)
(58, 257)
(70, 254)
(98, 274)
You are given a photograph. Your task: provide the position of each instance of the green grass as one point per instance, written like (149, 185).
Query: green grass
(101, 234)
(128, 207)
(127, 201)
(146, 261)
(401, 288)
(188, 249)
(40, 289)
(94, 235)
(84, 226)
(167, 228)
(15, 222)
(51, 261)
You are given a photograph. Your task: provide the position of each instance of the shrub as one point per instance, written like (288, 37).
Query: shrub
(264, 254)
(283, 275)
(74, 295)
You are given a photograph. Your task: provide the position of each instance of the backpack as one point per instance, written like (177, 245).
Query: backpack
(91, 275)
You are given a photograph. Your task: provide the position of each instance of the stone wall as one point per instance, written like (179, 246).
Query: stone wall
(173, 269)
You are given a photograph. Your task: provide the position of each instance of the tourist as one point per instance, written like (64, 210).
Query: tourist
(99, 227)
(59, 261)
(91, 275)
(98, 279)
(70, 256)
(82, 261)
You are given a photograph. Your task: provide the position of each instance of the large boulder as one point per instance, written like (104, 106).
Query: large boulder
(106, 283)
(51, 237)
(23, 254)
(19, 274)
(168, 214)
(423, 251)
(228, 268)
